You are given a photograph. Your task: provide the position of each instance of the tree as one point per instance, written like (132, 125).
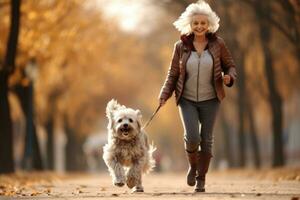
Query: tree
(283, 15)
(275, 100)
(6, 141)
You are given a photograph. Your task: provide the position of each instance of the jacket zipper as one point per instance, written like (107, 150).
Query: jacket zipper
(199, 59)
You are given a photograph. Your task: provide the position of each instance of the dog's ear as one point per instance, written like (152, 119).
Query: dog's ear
(139, 118)
(112, 106)
(138, 114)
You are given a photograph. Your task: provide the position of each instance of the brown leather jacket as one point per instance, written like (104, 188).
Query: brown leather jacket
(222, 61)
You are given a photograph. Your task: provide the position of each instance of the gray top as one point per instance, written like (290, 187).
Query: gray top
(199, 74)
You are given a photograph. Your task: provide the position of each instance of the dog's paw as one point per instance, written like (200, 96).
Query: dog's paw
(131, 182)
(119, 184)
(119, 181)
(137, 189)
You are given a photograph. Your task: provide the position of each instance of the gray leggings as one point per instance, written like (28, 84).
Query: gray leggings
(192, 113)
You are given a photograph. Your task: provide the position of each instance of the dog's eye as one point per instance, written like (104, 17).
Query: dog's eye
(130, 120)
(120, 120)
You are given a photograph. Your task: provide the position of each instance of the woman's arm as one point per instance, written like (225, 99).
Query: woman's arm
(227, 63)
(172, 76)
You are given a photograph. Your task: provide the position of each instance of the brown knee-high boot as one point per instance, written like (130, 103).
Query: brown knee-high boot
(193, 161)
(203, 164)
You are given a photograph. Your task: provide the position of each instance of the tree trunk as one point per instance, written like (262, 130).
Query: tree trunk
(50, 144)
(253, 134)
(227, 140)
(6, 137)
(32, 155)
(244, 107)
(241, 111)
(75, 158)
(12, 43)
(71, 159)
(274, 96)
(238, 55)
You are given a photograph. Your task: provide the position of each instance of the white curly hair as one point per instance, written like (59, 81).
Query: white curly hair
(183, 23)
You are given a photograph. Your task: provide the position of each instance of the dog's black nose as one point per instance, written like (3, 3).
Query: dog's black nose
(125, 125)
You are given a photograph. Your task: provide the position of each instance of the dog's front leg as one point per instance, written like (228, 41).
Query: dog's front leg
(117, 172)
(134, 177)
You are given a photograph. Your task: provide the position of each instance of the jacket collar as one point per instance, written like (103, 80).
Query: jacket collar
(187, 40)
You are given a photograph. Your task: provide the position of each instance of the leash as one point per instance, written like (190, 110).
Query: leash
(148, 122)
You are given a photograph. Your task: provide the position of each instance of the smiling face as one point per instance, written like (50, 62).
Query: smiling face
(199, 25)
(126, 124)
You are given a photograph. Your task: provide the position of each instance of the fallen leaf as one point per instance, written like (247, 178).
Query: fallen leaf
(48, 191)
(156, 194)
(35, 193)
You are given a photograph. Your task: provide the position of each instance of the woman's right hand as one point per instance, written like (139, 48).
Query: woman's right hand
(162, 102)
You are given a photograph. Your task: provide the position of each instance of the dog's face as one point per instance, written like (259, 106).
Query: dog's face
(125, 122)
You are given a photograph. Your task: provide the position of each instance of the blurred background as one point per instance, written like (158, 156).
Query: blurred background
(62, 61)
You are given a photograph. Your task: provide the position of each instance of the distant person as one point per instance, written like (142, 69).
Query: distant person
(195, 73)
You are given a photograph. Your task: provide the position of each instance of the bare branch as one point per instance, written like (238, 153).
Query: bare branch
(277, 25)
(288, 6)
(256, 4)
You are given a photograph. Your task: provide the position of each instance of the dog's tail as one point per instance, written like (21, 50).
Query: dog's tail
(151, 161)
(112, 106)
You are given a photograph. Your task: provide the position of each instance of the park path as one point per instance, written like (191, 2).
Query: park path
(220, 185)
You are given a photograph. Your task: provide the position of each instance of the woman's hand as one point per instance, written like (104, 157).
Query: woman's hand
(226, 79)
(162, 102)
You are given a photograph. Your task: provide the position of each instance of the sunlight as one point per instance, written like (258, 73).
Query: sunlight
(131, 15)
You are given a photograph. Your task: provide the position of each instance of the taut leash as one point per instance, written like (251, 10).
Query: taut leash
(148, 122)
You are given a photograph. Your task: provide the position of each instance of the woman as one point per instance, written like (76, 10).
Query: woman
(200, 59)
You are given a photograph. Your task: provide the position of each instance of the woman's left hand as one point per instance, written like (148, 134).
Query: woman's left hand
(226, 79)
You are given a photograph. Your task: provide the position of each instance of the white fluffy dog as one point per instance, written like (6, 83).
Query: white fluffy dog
(127, 153)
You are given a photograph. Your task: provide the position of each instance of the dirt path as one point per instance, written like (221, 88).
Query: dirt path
(225, 185)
